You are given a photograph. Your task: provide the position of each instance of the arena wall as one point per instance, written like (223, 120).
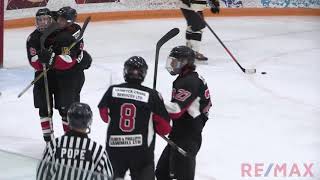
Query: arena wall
(19, 13)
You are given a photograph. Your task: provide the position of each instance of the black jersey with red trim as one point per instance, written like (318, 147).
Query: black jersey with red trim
(189, 106)
(67, 60)
(34, 47)
(134, 113)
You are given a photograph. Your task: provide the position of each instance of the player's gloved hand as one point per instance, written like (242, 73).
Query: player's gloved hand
(46, 56)
(215, 6)
(187, 2)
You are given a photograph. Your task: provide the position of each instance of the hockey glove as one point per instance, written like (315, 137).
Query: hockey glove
(215, 6)
(46, 56)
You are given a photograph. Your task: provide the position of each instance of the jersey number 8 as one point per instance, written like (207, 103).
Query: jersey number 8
(128, 117)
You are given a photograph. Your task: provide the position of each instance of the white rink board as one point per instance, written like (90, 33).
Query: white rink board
(127, 5)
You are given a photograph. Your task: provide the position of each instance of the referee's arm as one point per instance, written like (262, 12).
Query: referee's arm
(43, 167)
(104, 166)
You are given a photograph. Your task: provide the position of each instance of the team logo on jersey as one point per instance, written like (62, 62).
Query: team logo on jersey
(76, 34)
(181, 94)
(130, 93)
(125, 140)
(32, 51)
(65, 51)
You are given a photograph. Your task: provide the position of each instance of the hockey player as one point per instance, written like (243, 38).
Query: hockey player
(69, 64)
(134, 113)
(43, 20)
(192, 10)
(74, 155)
(189, 108)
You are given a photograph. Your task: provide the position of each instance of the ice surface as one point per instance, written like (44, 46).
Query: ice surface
(271, 118)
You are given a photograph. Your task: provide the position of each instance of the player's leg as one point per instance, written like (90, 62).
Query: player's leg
(142, 165)
(144, 173)
(40, 102)
(162, 169)
(67, 93)
(194, 31)
(184, 167)
(119, 163)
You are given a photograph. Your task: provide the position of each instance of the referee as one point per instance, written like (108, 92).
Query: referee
(74, 155)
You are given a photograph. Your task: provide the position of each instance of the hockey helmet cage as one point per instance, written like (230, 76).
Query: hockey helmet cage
(180, 57)
(43, 19)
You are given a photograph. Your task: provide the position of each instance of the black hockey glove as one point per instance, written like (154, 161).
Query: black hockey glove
(215, 6)
(186, 2)
(46, 56)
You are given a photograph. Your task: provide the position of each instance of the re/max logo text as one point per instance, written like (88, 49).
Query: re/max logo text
(277, 170)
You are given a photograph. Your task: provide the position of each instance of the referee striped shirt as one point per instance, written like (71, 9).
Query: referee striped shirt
(74, 156)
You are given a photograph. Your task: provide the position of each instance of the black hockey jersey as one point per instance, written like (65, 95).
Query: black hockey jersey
(33, 48)
(74, 156)
(189, 106)
(134, 113)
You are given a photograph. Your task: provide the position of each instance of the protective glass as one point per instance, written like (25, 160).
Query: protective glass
(174, 65)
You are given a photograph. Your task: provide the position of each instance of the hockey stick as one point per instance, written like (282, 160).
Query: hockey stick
(84, 26)
(46, 87)
(53, 27)
(248, 71)
(172, 33)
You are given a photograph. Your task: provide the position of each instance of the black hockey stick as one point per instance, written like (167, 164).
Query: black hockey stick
(172, 33)
(84, 26)
(248, 71)
(53, 27)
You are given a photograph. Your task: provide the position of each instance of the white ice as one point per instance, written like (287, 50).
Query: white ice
(271, 118)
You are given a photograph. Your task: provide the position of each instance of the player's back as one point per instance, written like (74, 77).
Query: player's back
(131, 122)
(73, 155)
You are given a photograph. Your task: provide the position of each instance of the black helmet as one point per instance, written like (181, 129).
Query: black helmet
(180, 58)
(79, 116)
(135, 69)
(43, 19)
(68, 13)
(43, 11)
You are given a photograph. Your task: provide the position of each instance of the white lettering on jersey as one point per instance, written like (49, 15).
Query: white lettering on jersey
(73, 153)
(130, 93)
(125, 140)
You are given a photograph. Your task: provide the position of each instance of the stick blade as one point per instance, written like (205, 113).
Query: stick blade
(250, 71)
(172, 33)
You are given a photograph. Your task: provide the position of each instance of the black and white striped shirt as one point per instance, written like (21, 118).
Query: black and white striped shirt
(74, 156)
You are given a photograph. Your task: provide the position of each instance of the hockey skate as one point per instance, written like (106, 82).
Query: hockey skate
(200, 58)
